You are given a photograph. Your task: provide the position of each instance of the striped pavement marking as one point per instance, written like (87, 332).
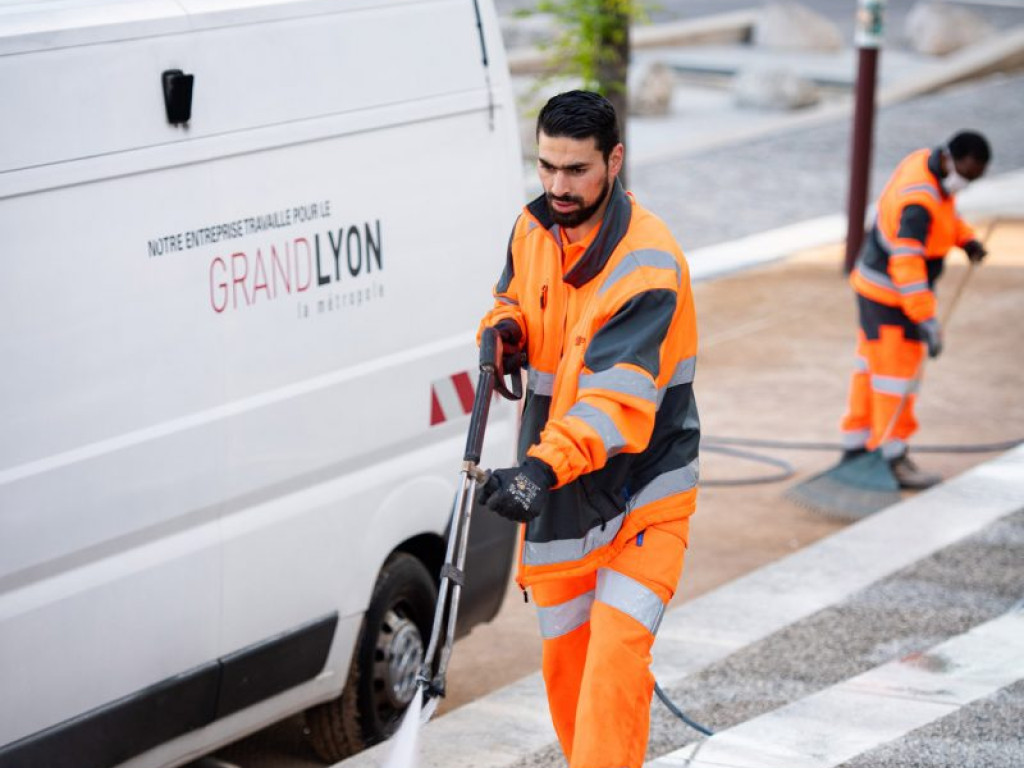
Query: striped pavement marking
(848, 719)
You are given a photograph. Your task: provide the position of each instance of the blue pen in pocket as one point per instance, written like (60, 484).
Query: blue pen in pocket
(640, 539)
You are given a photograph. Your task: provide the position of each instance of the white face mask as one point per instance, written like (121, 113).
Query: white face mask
(954, 183)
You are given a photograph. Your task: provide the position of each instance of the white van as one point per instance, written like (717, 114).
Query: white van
(244, 247)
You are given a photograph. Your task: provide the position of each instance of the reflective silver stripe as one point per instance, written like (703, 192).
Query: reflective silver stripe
(623, 381)
(667, 484)
(570, 550)
(683, 374)
(893, 449)
(893, 385)
(540, 383)
(602, 423)
(921, 286)
(922, 188)
(861, 363)
(855, 438)
(647, 257)
(631, 597)
(904, 251)
(506, 300)
(561, 619)
(874, 276)
(531, 225)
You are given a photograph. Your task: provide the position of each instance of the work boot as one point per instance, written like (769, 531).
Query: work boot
(912, 477)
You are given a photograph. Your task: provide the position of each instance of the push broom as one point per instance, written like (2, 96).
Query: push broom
(863, 485)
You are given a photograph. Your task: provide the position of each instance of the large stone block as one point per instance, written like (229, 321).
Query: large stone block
(937, 28)
(794, 26)
(650, 89)
(774, 88)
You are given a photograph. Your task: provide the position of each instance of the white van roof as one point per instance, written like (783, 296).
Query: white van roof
(36, 25)
(82, 78)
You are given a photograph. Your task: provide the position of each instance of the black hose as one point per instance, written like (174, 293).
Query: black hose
(679, 713)
(787, 470)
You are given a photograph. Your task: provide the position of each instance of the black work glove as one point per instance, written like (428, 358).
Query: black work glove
(510, 333)
(518, 493)
(511, 357)
(975, 251)
(932, 335)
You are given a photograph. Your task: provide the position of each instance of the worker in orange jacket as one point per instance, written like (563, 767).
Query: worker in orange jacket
(915, 226)
(596, 292)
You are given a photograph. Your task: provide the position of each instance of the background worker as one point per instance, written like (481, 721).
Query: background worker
(596, 291)
(916, 224)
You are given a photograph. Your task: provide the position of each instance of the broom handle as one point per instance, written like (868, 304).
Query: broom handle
(945, 322)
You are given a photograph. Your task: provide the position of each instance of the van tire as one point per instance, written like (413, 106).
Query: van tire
(365, 714)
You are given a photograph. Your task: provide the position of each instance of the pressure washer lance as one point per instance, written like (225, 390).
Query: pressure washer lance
(431, 679)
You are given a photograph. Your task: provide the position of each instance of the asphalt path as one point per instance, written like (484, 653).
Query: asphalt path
(740, 188)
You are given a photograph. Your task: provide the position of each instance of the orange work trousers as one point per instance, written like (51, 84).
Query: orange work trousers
(885, 375)
(597, 631)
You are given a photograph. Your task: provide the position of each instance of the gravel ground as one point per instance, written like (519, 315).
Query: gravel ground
(947, 594)
(986, 734)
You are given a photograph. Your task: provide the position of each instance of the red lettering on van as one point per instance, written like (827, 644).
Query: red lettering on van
(301, 286)
(218, 283)
(259, 280)
(239, 279)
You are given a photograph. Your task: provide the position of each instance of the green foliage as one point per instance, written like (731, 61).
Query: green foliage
(591, 39)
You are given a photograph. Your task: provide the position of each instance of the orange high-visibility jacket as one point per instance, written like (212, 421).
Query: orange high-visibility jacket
(916, 224)
(611, 348)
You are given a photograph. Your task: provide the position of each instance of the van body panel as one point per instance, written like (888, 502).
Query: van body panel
(227, 339)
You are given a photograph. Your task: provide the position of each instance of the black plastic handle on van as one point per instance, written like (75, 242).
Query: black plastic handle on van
(490, 380)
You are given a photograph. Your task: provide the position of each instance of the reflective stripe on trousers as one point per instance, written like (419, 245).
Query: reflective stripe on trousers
(597, 634)
(613, 588)
(876, 393)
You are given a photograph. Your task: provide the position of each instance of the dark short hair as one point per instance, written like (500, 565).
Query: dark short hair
(581, 115)
(970, 144)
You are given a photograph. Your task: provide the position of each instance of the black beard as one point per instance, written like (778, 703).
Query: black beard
(580, 215)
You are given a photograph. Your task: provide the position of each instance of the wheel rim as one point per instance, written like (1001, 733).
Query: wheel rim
(397, 661)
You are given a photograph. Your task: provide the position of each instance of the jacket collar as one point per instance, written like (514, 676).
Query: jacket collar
(610, 232)
(935, 168)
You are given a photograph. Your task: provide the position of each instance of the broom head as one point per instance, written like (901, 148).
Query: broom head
(852, 489)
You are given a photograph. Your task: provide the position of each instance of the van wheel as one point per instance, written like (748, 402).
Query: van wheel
(382, 676)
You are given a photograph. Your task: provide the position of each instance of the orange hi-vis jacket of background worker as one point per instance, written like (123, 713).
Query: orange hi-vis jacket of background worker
(916, 225)
(611, 342)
